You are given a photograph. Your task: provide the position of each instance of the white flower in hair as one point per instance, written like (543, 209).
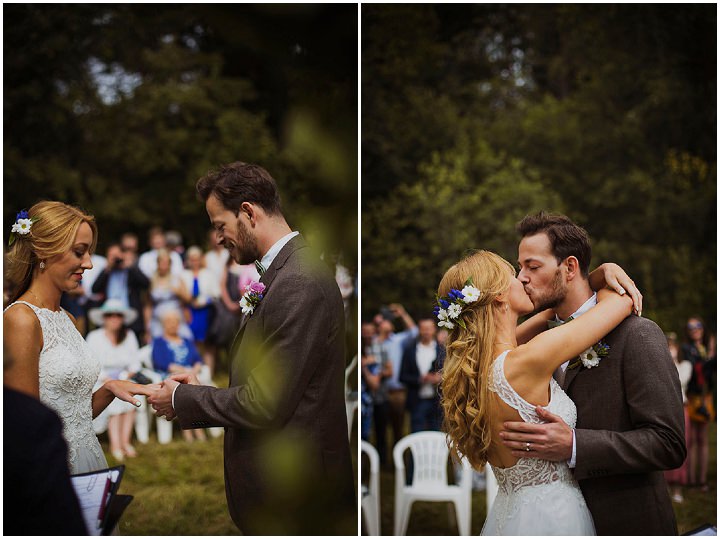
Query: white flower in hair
(446, 324)
(454, 311)
(470, 294)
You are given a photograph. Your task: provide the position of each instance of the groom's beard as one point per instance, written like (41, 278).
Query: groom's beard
(552, 297)
(245, 250)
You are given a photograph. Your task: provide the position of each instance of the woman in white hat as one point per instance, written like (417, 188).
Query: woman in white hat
(117, 349)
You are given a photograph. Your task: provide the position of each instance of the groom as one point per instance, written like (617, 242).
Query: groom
(630, 422)
(288, 469)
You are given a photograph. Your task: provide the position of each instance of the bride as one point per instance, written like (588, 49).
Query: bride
(488, 379)
(50, 249)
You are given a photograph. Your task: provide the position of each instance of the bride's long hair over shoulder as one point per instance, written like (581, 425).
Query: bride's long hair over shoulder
(466, 399)
(51, 234)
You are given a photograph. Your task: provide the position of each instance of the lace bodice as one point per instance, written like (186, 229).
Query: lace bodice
(531, 471)
(68, 373)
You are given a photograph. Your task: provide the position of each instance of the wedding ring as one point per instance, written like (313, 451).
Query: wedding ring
(527, 446)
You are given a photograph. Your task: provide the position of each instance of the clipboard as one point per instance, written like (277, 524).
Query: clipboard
(100, 503)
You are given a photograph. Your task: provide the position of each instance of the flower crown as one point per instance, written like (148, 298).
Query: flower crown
(450, 307)
(23, 224)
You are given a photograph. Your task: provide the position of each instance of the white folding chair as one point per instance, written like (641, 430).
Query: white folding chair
(371, 492)
(351, 397)
(429, 482)
(145, 412)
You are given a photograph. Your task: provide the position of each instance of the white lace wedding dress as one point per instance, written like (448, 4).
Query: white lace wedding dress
(536, 497)
(68, 373)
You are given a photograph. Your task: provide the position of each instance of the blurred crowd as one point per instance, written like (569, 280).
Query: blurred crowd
(165, 311)
(696, 362)
(401, 361)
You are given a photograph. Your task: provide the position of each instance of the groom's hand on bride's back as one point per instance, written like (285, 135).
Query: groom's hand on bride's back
(548, 441)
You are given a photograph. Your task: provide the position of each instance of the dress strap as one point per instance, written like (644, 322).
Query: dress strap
(500, 385)
(35, 308)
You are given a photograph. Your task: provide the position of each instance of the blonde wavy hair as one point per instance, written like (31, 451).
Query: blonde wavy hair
(52, 234)
(466, 399)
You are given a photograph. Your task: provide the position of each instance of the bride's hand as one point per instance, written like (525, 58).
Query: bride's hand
(614, 277)
(126, 390)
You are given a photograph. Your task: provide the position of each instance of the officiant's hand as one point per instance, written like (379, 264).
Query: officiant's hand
(548, 441)
(161, 400)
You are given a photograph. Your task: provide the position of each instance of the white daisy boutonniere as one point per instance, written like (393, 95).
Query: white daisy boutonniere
(591, 357)
(252, 296)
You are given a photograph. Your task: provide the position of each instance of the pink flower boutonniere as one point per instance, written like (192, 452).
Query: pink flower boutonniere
(252, 296)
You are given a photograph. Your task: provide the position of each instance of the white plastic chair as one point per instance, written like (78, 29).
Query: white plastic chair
(429, 482)
(145, 412)
(351, 397)
(371, 492)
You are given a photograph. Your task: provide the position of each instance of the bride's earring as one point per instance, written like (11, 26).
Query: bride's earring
(507, 307)
(42, 265)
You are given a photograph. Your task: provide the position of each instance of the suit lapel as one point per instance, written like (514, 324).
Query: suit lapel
(570, 375)
(269, 276)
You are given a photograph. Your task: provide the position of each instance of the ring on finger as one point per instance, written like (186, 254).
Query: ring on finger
(527, 446)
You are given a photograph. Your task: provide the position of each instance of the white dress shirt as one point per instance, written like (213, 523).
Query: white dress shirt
(585, 307)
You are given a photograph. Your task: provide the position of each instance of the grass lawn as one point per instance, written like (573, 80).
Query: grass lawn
(432, 518)
(178, 488)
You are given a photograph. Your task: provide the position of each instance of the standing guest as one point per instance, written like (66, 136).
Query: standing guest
(123, 281)
(203, 289)
(175, 354)
(167, 290)
(129, 245)
(369, 384)
(382, 368)
(216, 257)
(392, 346)
(422, 362)
(678, 477)
(698, 352)
(117, 349)
(174, 243)
(148, 260)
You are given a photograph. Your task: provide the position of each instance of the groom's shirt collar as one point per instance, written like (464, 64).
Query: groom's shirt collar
(268, 258)
(585, 307)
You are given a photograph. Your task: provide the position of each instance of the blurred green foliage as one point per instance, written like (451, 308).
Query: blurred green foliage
(475, 115)
(120, 108)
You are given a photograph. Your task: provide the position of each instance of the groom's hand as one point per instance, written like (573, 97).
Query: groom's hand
(186, 378)
(161, 400)
(548, 441)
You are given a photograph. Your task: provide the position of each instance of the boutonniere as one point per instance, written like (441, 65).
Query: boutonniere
(591, 357)
(252, 296)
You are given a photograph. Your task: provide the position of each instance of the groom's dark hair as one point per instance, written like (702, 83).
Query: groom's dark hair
(566, 238)
(240, 182)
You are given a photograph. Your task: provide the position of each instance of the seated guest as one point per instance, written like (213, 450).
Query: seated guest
(175, 354)
(117, 350)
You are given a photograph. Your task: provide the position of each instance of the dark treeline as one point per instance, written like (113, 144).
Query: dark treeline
(120, 108)
(475, 115)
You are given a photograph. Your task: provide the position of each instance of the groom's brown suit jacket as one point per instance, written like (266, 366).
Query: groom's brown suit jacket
(288, 469)
(630, 427)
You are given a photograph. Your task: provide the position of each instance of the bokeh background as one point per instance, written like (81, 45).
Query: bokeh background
(475, 115)
(120, 108)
